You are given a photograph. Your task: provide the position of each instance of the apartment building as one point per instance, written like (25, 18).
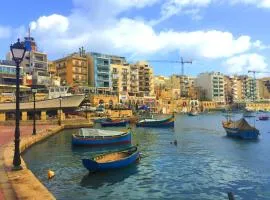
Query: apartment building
(72, 70)
(213, 86)
(34, 64)
(8, 73)
(120, 72)
(264, 88)
(145, 86)
(249, 88)
(99, 75)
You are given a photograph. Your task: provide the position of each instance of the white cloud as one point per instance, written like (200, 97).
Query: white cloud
(128, 36)
(95, 26)
(5, 32)
(245, 62)
(257, 3)
(55, 22)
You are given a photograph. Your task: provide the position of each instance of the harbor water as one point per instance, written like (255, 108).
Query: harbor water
(205, 164)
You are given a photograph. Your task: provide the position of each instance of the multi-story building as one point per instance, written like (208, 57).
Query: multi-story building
(264, 88)
(72, 69)
(145, 78)
(213, 85)
(99, 75)
(134, 80)
(249, 88)
(34, 64)
(120, 72)
(8, 73)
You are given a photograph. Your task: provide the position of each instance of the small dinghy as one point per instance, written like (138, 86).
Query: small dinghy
(92, 137)
(112, 160)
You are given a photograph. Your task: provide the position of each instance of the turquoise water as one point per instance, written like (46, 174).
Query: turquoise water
(204, 165)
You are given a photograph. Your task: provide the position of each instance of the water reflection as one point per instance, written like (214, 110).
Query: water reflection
(99, 179)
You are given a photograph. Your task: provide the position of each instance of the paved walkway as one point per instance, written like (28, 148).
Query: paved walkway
(7, 135)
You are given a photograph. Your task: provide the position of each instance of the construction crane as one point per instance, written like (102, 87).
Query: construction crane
(183, 62)
(254, 78)
(174, 61)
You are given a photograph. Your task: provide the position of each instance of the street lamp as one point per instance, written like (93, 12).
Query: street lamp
(34, 91)
(18, 52)
(60, 111)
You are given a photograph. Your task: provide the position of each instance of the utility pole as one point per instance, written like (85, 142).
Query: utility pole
(182, 78)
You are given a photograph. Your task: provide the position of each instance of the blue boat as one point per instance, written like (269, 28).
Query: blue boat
(112, 160)
(98, 137)
(157, 123)
(114, 123)
(240, 129)
(100, 120)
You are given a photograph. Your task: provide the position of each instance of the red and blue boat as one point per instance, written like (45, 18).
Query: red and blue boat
(98, 137)
(112, 160)
(157, 123)
(114, 123)
(240, 129)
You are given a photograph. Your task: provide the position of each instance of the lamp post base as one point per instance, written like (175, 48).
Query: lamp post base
(17, 168)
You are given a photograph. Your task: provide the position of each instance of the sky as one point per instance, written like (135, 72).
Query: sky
(230, 36)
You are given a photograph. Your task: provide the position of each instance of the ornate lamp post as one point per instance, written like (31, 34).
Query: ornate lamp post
(18, 52)
(60, 111)
(34, 91)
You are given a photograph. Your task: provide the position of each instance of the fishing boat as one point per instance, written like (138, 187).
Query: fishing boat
(102, 119)
(97, 137)
(264, 117)
(157, 123)
(112, 160)
(240, 129)
(114, 123)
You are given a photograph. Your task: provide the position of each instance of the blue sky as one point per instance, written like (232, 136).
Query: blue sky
(230, 36)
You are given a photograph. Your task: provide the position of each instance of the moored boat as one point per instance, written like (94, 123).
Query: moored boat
(103, 119)
(96, 137)
(157, 123)
(114, 123)
(240, 129)
(112, 160)
(264, 117)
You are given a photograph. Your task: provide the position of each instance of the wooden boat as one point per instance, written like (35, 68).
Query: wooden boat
(103, 119)
(114, 123)
(112, 160)
(263, 117)
(94, 137)
(240, 129)
(157, 123)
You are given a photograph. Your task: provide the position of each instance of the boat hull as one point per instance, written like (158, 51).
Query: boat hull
(94, 166)
(157, 125)
(100, 141)
(165, 123)
(242, 134)
(110, 124)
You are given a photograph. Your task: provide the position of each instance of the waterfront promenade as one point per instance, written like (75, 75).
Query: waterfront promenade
(7, 136)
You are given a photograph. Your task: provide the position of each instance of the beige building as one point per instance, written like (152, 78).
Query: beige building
(213, 85)
(264, 88)
(144, 73)
(120, 73)
(72, 69)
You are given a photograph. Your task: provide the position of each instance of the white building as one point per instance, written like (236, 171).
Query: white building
(213, 85)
